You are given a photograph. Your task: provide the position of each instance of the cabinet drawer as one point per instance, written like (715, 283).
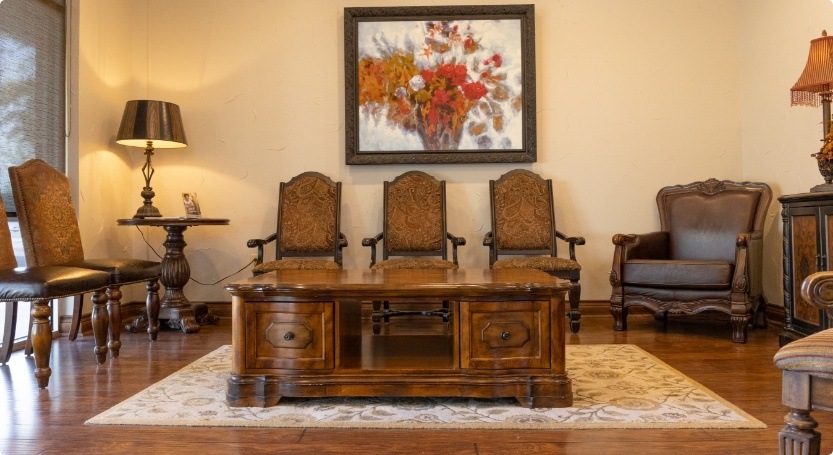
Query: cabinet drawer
(289, 335)
(501, 335)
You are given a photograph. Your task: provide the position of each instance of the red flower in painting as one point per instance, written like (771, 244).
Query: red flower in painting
(456, 73)
(475, 90)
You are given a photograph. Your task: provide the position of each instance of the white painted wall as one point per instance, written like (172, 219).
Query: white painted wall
(632, 96)
(778, 139)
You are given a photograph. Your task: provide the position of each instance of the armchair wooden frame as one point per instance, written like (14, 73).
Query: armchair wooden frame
(573, 273)
(807, 377)
(339, 242)
(382, 310)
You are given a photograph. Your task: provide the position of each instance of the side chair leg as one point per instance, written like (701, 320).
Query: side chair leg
(575, 315)
(8, 332)
(152, 308)
(27, 347)
(114, 314)
(75, 325)
(42, 341)
(101, 321)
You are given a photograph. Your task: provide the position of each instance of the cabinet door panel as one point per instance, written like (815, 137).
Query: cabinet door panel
(501, 335)
(805, 251)
(289, 335)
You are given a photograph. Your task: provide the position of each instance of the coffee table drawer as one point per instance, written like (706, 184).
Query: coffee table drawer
(501, 335)
(289, 335)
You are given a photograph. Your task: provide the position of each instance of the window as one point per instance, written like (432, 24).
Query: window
(32, 99)
(32, 85)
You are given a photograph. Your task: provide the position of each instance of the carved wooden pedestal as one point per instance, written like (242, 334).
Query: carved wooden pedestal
(175, 308)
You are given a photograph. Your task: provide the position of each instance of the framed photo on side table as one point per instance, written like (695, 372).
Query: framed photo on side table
(192, 205)
(440, 84)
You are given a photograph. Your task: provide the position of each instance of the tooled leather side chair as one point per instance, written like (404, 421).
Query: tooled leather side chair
(40, 285)
(414, 235)
(707, 255)
(51, 236)
(523, 226)
(308, 235)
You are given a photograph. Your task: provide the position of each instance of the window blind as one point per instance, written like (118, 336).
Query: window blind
(32, 86)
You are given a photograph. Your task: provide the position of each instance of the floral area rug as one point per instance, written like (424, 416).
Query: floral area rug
(614, 386)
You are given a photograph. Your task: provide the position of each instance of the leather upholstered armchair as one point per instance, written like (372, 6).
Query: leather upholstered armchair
(308, 235)
(707, 255)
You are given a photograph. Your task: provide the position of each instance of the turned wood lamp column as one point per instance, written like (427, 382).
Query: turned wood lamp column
(150, 124)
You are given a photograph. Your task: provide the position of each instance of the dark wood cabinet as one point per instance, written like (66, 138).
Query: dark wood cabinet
(808, 248)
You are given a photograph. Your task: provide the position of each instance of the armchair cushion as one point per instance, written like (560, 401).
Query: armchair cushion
(685, 274)
(295, 264)
(545, 263)
(414, 263)
(811, 355)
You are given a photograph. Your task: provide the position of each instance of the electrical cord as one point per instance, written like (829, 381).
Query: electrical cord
(191, 278)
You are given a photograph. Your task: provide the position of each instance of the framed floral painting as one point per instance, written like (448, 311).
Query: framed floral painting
(440, 84)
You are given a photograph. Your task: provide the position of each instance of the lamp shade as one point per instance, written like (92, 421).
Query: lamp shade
(156, 121)
(818, 73)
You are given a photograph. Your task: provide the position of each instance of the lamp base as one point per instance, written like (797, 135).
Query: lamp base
(149, 211)
(823, 188)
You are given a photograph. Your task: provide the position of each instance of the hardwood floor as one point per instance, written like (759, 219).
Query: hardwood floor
(51, 421)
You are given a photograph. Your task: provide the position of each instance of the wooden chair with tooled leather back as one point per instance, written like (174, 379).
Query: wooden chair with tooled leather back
(414, 229)
(707, 255)
(807, 376)
(40, 285)
(523, 225)
(51, 236)
(309, 221)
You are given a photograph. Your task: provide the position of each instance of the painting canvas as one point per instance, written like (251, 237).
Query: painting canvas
(440, 84)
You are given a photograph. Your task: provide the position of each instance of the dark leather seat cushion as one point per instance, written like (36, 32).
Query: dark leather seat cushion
(678, 273)
(122, 270)
(34, 283)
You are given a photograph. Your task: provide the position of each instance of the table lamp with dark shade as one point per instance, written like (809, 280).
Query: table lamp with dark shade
(151, 124)
(813, 88)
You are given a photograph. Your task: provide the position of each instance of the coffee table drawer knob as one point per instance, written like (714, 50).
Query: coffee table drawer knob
(288, 336)
(506, 335)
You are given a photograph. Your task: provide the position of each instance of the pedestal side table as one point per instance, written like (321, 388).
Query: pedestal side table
(175, 307)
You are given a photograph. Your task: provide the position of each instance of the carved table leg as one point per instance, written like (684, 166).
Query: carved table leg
(799, 436)
(175, 307)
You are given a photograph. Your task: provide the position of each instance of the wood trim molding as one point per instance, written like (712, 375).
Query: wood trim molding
(775, 314)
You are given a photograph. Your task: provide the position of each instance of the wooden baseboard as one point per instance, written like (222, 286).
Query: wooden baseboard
(775, 314)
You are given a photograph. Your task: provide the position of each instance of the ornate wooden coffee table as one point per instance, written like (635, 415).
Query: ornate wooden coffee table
(299, 333)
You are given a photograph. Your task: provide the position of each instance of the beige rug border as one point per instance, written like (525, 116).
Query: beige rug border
(751, 423)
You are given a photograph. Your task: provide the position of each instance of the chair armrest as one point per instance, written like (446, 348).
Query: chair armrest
(749, 256)
(489, 239)
(653, 245)
(258, 243)
(371, 242)
(572, 241)
(817, 289)
(341, 242)
(455, 242)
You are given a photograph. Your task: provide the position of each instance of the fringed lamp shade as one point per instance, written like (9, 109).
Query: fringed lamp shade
(818, 73)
